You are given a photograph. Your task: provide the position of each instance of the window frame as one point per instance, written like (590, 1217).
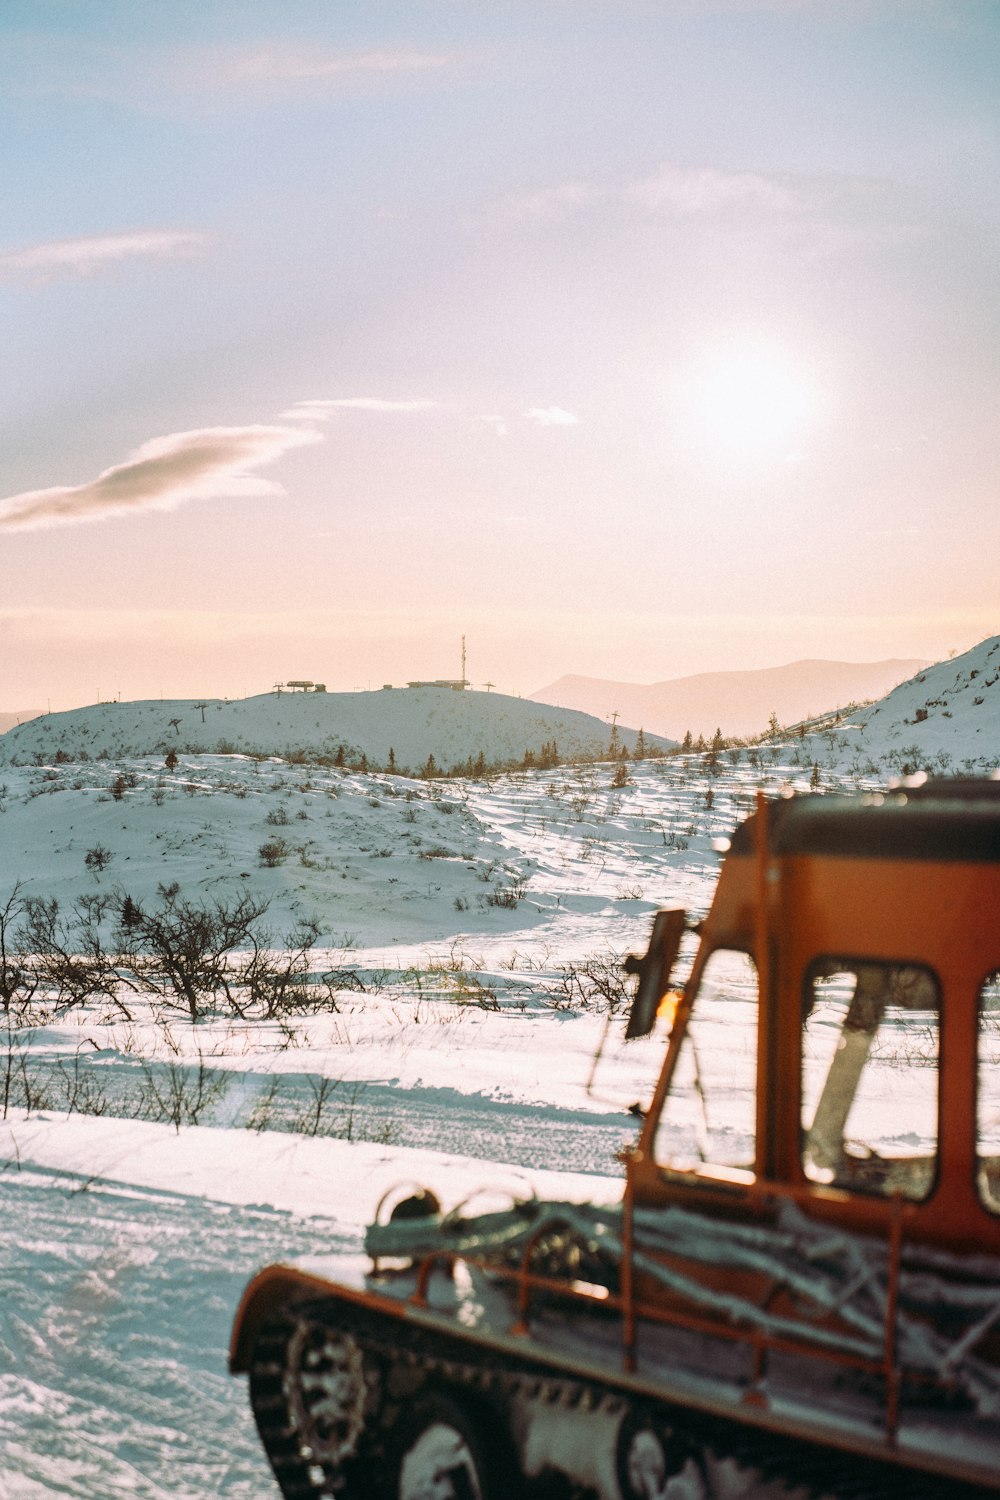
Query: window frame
(705, 1170)
(846, 963)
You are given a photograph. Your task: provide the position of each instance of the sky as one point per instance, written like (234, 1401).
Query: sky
(629, 338)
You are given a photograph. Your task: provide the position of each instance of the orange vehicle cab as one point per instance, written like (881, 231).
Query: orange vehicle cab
(838, 1039)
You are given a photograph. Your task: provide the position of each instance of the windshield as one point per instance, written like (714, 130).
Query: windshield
(710, 1113)
(870, 1076)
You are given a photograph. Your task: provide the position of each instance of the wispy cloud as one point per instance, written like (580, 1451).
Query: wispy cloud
(671, 190)
(821, 215)
(209, 463)
(678, 190)
(319, 410)
(498, 423)
(181, 76)
(551, 416)
(77, 256)
(560, 200)
(279, 64)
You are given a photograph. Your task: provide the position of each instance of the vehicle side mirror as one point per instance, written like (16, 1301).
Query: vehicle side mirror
(654, 970)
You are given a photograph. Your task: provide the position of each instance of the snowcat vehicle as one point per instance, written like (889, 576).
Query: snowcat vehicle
(799, 1292)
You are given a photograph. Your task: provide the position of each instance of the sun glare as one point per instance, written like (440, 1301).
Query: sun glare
(750, 400)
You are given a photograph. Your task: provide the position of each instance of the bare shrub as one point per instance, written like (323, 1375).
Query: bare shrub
(182, 949)
(180, 1093)
(506, 896)
(274, 853)
(68, 954)
(597, 981)
(276, 981)
(8, 1065)
(21, 1085)
(82, 1092)
(17, 980)
(331, 983)
(311, 1121)
(262, 1113)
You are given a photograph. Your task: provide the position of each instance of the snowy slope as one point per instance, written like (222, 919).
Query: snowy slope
(413, 722)
(376, 857)
(944, 720)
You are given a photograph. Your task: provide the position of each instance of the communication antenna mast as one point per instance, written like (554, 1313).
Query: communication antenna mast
(463, 662)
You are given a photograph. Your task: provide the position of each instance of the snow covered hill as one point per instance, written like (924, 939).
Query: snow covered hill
(944, 720)
(414, 723)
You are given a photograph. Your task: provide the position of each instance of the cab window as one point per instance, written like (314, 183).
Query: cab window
(870, 1049)
(709, 1116)
(988, 1094)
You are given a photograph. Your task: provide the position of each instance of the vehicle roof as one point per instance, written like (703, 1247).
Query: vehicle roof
(942, 819)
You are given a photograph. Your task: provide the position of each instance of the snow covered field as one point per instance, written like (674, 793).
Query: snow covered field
(462, 960)
(466, 911)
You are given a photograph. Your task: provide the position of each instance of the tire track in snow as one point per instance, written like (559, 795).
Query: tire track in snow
(115, 1310)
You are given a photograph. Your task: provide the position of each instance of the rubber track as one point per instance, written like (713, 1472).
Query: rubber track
(811, 1471)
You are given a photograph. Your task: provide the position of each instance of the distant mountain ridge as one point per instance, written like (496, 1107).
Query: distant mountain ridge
(11, 721)
(738, 703)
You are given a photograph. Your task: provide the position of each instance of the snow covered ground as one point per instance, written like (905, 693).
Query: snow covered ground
(468, 912)
(124, 1250)
(464, 960)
